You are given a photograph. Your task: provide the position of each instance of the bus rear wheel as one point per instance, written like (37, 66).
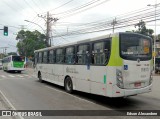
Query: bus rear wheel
(68, 85)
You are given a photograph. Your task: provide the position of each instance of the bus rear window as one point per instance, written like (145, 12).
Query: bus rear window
(17, 58)
(135, 46)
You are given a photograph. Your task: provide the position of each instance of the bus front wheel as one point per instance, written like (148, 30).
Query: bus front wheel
(68, 85)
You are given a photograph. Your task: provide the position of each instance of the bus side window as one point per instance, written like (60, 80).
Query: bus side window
(59, 56)
(45, 57)
(51, 56)
(69, 55)
(100, 52)
(35, 58)
(40, 57)
(82, 52)
(107, 50)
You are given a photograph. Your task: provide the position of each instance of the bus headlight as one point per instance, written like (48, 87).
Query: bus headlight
(119, 78)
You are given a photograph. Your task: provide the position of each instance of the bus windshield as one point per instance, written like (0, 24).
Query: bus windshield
(135, 46)
(17, 58)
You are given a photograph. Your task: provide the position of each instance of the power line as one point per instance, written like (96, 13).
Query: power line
(104, 29)
(11, 7)
(129, 19)
(61, 5)
(36, 4)
(79, 7)
(30, 6)
(82, 10)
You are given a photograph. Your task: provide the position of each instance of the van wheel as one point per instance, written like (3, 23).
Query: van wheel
(40, 77)
(68, 85)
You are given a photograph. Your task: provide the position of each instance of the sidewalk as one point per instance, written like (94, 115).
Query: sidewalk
(29, 71)
(156, 74)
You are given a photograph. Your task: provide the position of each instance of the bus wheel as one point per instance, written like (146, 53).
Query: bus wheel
(68, 85)
(19, 71)
(40, 77)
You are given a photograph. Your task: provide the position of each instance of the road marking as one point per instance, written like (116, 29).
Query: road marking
(11, 76)
(26, 75)
(3, 76)
(10, 104)
(19, 76)
(71, 95)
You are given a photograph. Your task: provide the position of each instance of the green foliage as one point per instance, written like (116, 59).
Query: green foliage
(30, 41)
(143, 30)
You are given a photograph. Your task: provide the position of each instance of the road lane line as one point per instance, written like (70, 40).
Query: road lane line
(70, 95)
(25, 75)
(20, 76)
(11, 76)
(10, 104)
(3, 76)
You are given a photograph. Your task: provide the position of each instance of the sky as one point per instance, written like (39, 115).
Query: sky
(14, 12)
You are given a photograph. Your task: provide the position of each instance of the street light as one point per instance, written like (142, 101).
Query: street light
(35, 24)
(154, 45)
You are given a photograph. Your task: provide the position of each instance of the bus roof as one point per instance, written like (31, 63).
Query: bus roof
(86, 40)
(78, 42)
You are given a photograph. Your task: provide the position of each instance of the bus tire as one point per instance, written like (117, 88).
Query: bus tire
(19, 71)
(40, 77)
(68, 85)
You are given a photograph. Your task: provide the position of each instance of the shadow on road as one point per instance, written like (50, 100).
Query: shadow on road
(128, 103)
(14, 72)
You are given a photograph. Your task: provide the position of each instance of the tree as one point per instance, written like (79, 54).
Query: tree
(30, 41)
(143, 30)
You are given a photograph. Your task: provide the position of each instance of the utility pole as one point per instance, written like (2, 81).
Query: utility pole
(155, 37)
(48, 21)
(48, 29)
(4, 50)
(114, 23)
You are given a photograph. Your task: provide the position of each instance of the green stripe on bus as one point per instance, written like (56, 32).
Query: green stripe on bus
(18, 64)
(115, 59)
(104, 79)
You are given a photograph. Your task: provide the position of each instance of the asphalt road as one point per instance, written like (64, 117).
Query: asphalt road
(26, 93)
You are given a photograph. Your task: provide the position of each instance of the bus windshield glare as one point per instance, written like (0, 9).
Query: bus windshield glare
(133, 47)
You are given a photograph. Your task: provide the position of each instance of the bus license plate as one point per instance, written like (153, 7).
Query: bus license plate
(138, 84)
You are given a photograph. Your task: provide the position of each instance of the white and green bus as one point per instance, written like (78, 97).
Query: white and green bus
(116, 65)
(13, 63)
